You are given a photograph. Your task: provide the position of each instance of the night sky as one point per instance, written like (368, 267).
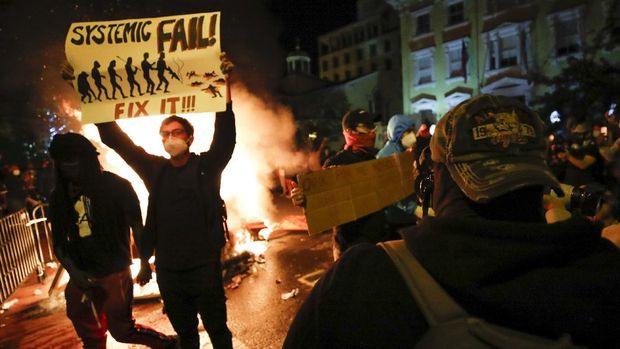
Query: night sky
(257, 34)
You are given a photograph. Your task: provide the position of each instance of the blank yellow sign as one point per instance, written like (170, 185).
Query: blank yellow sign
(343, 194)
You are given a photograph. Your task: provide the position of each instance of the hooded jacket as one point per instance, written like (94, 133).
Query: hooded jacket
(397, 125)
(545, 279)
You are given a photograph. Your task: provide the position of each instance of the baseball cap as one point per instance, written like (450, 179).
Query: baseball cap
(358, 116)
(492, 145)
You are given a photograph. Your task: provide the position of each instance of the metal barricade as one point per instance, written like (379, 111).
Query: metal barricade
(19, 252)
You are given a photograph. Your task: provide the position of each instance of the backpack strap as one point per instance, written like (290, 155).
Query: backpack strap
(434, 302)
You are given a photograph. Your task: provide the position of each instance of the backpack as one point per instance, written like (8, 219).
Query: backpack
(450, 326)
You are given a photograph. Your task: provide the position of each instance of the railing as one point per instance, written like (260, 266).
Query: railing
(20, 249)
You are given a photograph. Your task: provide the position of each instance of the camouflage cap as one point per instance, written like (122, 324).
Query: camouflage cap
(492, 145)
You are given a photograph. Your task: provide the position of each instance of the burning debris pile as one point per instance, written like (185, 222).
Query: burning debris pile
(245, 249)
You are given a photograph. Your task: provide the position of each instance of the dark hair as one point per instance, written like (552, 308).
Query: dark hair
(189, 129)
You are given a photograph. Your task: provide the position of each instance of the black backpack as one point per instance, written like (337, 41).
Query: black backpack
(450, 325)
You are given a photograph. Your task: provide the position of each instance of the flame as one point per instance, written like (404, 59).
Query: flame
(264, 146)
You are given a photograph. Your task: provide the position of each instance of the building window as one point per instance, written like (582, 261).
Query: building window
(335, 62)
(387, 46)
(325, 65)
(454, 58)
(360, 71)
(507, 46)
(336, 77)
(324, 49)
(347, 75)
(423, 66)
(423, 24)
(360, 54)
(508, 51)
(456, 13)
(373, 50)
(388, 64)
(347, 58)
(567, 33)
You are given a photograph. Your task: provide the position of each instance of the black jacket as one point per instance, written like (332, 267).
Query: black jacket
(546, 279)
(149, 167)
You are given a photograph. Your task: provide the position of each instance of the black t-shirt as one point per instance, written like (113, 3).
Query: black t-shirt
(103, 249)
(181, 226)
(576, 176)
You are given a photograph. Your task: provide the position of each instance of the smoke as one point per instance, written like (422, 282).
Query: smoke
(265, 144)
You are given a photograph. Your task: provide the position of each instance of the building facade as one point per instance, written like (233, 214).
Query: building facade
(364, 57)
(454, 49)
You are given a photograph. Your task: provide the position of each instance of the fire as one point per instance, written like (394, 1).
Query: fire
(264, 146)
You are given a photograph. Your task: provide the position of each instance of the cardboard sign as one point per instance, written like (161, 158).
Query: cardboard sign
(345, 193)
(150, 66)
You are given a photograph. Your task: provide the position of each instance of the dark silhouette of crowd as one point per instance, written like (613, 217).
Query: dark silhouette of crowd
(522, 232)
(24, 187)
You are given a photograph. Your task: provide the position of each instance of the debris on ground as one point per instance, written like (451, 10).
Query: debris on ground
(7, 305)
(52, 265)
(288, 295)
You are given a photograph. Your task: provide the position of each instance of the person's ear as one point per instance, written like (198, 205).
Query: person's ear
(190, 140)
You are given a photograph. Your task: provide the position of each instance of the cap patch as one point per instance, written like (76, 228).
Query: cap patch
(502, 128)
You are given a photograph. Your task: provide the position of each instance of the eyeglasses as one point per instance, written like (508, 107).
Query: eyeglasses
(177, 132)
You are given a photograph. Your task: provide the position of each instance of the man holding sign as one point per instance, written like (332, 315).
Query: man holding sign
(184, 223)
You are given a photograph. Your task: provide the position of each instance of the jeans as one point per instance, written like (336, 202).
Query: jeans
(110, 299)
(194, 292)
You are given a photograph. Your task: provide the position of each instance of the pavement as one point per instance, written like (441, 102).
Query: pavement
(261, 305)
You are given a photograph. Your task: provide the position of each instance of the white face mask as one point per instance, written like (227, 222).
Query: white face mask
(408, 140)
(175, 146)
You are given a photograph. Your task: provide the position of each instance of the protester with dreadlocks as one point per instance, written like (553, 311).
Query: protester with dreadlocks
(91, 213)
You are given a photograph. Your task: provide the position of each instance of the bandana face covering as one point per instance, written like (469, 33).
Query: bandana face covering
(358, 140)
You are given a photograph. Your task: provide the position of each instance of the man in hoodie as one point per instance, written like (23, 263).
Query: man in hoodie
(401, 137)
(91, 211)
(400, 134)
(488, 247)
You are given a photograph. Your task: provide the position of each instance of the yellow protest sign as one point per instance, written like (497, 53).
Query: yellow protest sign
(150, 66)
(342, 194)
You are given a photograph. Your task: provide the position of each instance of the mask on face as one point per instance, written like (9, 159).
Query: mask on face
(408, 140)
(175, 146)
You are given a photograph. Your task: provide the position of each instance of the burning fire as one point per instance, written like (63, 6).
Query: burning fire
(264, 146)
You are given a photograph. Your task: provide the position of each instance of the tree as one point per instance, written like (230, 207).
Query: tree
(586, 85)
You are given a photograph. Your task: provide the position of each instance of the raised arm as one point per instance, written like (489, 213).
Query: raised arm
(225, 133)
(135, 156)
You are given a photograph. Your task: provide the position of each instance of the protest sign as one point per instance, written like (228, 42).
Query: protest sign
(150, 66)
(345, 193)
